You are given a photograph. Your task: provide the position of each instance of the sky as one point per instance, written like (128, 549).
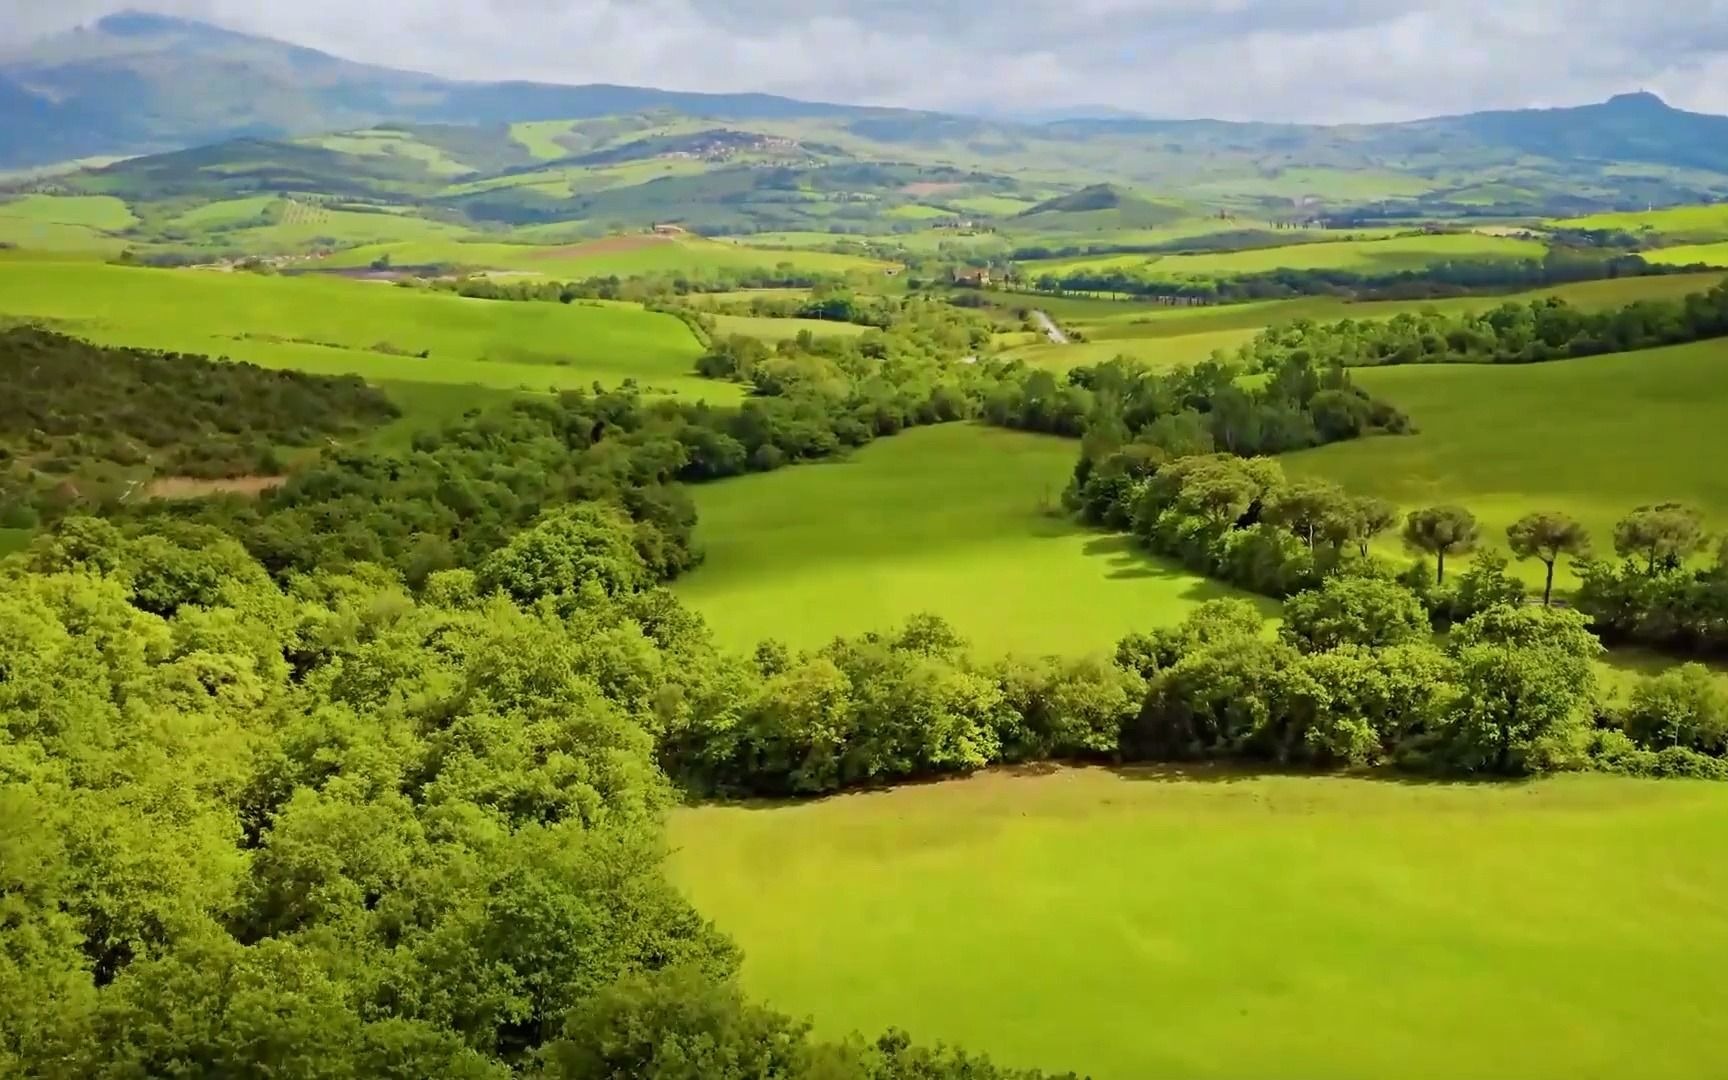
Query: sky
(1324, 61)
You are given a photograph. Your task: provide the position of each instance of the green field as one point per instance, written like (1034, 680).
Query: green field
(65, 223)
(1708, 254)
(395, 144)
(1364, 256)
(1140, 925)
(1701, 222)
(769, 329)
(1594, 437)
(693, 256)
(949, 519)
(329, 325)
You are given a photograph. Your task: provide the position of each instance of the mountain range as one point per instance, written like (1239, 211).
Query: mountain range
(138, 83)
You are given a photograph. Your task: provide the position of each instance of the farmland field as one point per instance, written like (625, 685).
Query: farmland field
(332, 326)
(769, 329)
(1594, 437)
(1143, 924)
(1709, 254)
(624, 256)
(947, 519)
(1700, 222)
(1364, 256)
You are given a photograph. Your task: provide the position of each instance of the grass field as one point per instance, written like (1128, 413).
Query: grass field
(1701, 222)
(1365, 256)
(1139, 925)
(65, 223)
(1594, 437)
(1708, 254)
(624, 256)
(945, 519)
(329, 325)
(769, 329)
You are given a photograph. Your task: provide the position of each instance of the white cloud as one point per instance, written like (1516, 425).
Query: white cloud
(1329, 60)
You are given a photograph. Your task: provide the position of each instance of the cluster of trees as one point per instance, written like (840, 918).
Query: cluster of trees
(328, 828)
(1189, 410)
(1661, 594)
(1457, 277)
(829, 303)
(75, 414)
(1512, 333)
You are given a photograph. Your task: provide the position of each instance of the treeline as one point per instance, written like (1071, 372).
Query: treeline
(329, 828)
(1512, 333)
(1456, 277)
(639, 288)
(1190, 410)
(76, 415)
(1659, 595)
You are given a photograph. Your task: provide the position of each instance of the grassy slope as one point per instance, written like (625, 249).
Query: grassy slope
(1365, 256)
(1682, 220)
(1708, 254)
(943, 519)
(780, 329)
(103, 212)
(692, 256)
(1135, 926)
(1593, 437)
(500, 345)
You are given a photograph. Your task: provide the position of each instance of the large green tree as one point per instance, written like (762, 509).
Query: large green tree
(1441, 531)
(1547, 535)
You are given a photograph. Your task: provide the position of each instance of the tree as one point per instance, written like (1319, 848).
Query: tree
(1306, 509)
(1441, 531)
(1354, 611)
(1665, 534)
(1359, 521)
(1547, 535)
(1682, 707)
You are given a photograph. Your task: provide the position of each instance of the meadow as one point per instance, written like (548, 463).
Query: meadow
(1364, 256)
(1714, 254)
(1593, 437)
(330, 326)
(1692, 222)
(623, 256)
(83, 223)
(1156, 923)
(959, 519)
(771, 329)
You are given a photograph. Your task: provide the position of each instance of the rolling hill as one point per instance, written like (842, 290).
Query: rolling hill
(140, 83)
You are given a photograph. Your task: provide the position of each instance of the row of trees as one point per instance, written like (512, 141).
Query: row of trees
(1549, 329)
(640, 288)
(1189, 410)
(1460, 277)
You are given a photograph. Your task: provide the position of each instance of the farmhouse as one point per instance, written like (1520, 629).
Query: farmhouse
(973, 278)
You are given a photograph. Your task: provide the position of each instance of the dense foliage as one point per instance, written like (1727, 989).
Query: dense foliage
(1455, 277)
(77, 416)
(1549, 329)
(329, 828)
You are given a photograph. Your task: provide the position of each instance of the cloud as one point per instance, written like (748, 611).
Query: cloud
(1278, 60)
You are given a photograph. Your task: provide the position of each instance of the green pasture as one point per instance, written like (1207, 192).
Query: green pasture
(1700, 222)
(330, 325)
(1330, 185)
(1387, 255)
(694, 256)
(961, 520)
(1207, 925)
(395, 144)
(991, 205)
(1593, 437)
(225, 214)
(770, 329)
(65, 223)
(1709, 254)
(1170, 351)
(540, 137)
(104, 213)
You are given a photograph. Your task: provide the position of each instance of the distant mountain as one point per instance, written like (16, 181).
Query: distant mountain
(138, 83)
(143, 84)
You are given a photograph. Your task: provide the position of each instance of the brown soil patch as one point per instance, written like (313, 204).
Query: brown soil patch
(190, 487)
(932, 187)
(610, 245)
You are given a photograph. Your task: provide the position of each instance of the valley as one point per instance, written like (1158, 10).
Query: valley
(575, 582)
